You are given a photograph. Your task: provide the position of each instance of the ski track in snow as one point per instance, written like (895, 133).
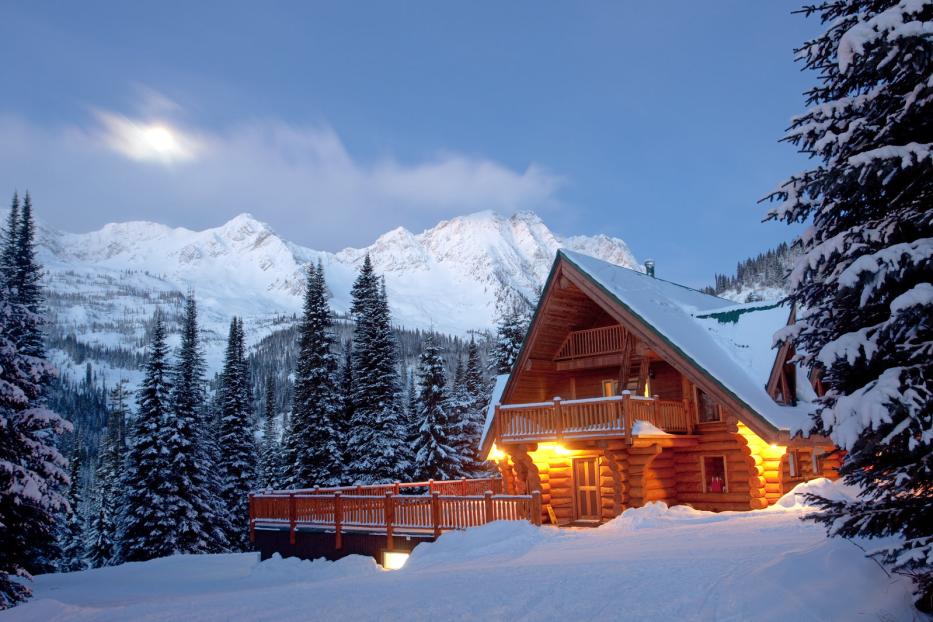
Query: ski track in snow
(652, 563)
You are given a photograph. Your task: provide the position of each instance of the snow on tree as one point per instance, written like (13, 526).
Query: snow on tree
(146, 529)
(378, 430)
(344, 420)
(8, 254)
(270, 454)
(862, 281)
(32, 470)
(474, 415)
(436, 455)
(510, 333)
(102, 533)
(193, 497)
(237, 444)
(71, 530)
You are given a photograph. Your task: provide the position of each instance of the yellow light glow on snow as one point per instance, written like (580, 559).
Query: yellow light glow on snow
(393, 560)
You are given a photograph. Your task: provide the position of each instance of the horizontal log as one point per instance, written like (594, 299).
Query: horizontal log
(716, 497)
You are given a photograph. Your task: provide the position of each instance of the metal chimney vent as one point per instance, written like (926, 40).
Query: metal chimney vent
(649, 267)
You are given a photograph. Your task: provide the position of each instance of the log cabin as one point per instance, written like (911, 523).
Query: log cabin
(630, 389)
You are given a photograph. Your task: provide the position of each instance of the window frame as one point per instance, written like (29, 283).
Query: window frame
(717, 407)
(725, 473)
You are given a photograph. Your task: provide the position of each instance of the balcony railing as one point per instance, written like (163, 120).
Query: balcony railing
(606, 417)
(592, 342)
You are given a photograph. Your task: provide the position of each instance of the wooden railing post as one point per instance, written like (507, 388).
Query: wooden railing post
(389, 520)
(338, 520)
(687, 416)
(655, 412)
(431, 486)
(252, 519)
(558, 419)
(490, 514)
(397, 488)
(292, 517)
(627, 414)
(436, 511)
(535, 517)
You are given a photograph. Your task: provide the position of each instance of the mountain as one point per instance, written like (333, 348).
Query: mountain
(104, 285)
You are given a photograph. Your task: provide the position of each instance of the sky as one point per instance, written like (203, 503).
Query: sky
(655, 122)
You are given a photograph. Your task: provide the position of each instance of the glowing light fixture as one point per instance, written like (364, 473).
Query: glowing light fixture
(554, 448)
(393, 560)
(495, 453)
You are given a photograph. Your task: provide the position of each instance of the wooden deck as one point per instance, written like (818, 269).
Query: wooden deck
(598, 418)
(382, 509)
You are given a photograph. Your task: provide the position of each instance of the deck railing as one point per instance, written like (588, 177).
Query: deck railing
(380, 509)
(592, 342)
(605, 417)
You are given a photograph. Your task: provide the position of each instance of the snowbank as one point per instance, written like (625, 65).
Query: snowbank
(651, 563)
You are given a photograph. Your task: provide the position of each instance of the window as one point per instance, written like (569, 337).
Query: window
(793, 464)
(707, 409)
(714, 474)
(609, 387)
(817, 463)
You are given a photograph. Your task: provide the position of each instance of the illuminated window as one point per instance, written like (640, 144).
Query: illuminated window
(393, 560)
(707, 409)
(714, 474)
(609, 387)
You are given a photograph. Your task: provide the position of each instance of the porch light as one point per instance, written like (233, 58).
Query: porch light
(554, 448)
(393, 560)
(495, 453)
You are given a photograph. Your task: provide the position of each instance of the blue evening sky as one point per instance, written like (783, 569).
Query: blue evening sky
(656, 122)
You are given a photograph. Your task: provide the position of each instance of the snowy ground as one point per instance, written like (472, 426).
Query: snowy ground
(651, 563)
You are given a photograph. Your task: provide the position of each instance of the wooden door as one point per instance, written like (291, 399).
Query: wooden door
(586, 489)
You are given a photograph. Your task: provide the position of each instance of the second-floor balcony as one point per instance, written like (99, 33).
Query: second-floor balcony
(596, 418)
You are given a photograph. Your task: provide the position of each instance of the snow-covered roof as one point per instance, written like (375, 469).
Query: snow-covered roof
(497, 390)
(731, 342)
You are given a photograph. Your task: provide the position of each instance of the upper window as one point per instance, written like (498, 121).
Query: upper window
(707, 408)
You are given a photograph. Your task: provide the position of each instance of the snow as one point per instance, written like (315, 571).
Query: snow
(891, 24)
(646, 428)
(650, 563)
(729, 341)
(497, 390)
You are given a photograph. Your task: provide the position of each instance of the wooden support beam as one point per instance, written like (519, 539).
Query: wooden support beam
(292, 518)
(436, 513)
(389, 509)
(252, 519)
(536, 508)
(338, 520)
(489, 507)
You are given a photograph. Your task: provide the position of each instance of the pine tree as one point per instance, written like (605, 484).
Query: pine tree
(237, 445)
(510, 333)
(32, 470)
(72, 528)
(26, 277)
(102, 534)
(8, 255)
(192, 499)
(862, 283)
(146, 529)
(474, 416)
(378, 427)
(316, 406)
(270, 456)
(344, 420)
(435, 455)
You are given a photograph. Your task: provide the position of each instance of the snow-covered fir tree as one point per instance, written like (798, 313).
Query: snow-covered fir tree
(510, 333)
(411, 408)
(237, 443)
(270, 454)
(72, 527)
(862, 283)
(436, 453)
(378, 430)
(32, 471)
(146, 530)
(476, 394)
(102, 532)
(344, 420)
(316, 407)
(193, 495)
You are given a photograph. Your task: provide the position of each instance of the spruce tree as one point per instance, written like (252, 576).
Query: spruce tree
(26, 283)
(344, 420)
(102, 534)
(193, 501)
(510, 333)
(316, 406)
(474, 415)
(270, 458)
(378, 432)
(237, 444)
(72, 532)
(8, 254)
(436, 456)
(146, 529)
(32, 471)
(862, 283)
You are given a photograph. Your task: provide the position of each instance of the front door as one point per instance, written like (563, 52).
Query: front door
(586, 489)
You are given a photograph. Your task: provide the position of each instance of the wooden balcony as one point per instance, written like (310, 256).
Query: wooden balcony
(592, 342)
(598, 418)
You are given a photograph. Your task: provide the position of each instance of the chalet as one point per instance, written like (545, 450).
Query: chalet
(630, 389)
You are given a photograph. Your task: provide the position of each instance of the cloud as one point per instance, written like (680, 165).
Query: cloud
(301, 179)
